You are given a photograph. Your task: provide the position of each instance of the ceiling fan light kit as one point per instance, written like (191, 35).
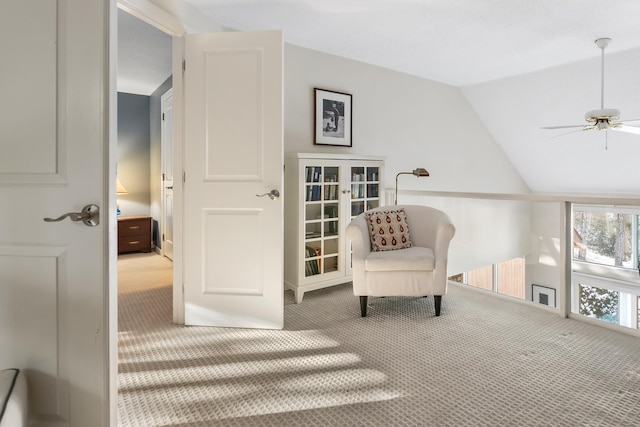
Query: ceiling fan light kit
(603, 118)
(602, 114)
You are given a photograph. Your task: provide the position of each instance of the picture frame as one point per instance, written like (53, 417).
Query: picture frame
(543, 295)
(332, 118)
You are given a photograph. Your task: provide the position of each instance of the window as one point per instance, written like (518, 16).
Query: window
(599, 303)
(605, 235)
(507, 278)
(605, 280)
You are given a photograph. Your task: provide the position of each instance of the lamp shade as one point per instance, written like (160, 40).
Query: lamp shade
(120, 188)
(420, 172)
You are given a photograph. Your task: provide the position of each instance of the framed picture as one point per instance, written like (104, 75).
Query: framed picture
(543, 295)
(332, 114)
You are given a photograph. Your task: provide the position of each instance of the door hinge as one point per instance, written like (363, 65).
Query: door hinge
(184, 177)
(184, 65)
(163, 237)
(163, 177)
(162, 116)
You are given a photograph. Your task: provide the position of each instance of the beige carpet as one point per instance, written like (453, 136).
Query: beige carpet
(484, 362)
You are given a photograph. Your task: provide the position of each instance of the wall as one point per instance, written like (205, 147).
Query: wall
(133, 153)
(412, 121)
(544, 260)
(487, 231)
(155, 159)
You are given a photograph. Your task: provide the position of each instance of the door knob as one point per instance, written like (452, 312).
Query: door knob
(90, 216)
(273, 194)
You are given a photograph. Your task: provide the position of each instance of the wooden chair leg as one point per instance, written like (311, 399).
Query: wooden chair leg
(363, 306)
(438, 302)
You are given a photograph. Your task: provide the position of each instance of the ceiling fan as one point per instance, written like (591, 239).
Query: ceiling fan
(603, 118)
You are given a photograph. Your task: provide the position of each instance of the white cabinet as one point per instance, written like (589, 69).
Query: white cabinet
(322, 193)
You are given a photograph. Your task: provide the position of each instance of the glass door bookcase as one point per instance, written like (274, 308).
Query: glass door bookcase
(322, 194)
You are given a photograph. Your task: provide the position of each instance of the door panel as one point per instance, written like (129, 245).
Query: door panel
(233, 152)
(31, 97)
(167, 173)
(53, 274)
(35, 322)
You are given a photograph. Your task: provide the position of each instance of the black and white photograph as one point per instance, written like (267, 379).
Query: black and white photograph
(332, 118)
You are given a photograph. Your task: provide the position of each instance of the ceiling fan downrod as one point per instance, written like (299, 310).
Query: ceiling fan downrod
(602, 43)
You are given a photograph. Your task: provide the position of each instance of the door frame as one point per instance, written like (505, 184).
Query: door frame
(163, 21)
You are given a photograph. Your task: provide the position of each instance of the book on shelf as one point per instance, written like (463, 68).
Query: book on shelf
(315, 264)
(313, 174)
(315, 194)
(372, 190)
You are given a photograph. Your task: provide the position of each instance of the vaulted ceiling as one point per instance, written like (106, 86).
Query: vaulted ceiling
(521, 64)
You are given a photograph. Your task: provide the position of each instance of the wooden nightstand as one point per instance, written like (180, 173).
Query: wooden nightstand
(134, 233)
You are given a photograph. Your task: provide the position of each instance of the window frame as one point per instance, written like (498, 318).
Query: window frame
(624, 280)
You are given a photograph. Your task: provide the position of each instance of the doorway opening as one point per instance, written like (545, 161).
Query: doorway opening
(144, 176)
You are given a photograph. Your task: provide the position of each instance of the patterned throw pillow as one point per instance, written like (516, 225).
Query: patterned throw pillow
(388, 230)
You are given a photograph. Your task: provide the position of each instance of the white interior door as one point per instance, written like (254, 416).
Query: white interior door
(53, 275)
(233, 152)
(167, 173)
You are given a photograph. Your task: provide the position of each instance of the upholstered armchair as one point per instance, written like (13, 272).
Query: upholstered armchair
(407, 255)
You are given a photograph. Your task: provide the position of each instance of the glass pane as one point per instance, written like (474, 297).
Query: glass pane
(312, 230)
(357, 191)
(331, 228)
(372, 204)
(331, 192)
(313, 262)
(331, 210)
(313, 193)
(330, 264)
(357, 174)
(357, 208)
(481, 278)
(373, 174)
(312, 250)
(511, 278)
(372, 190)
(602, 238)
(312, 212)
(308, 174)
(331, 246)
(331, 174)
(599, 303)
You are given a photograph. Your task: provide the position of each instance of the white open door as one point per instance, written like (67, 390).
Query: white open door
(233, 256)
(53, 275)
(166, 102)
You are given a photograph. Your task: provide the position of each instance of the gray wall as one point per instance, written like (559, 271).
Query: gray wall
(133, 153)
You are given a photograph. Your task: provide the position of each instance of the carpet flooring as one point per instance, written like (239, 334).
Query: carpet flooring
(483, 362)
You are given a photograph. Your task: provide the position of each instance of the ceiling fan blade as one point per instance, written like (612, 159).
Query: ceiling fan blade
(562, 127)
(630, 120)
(626, 128)
(573, 131)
